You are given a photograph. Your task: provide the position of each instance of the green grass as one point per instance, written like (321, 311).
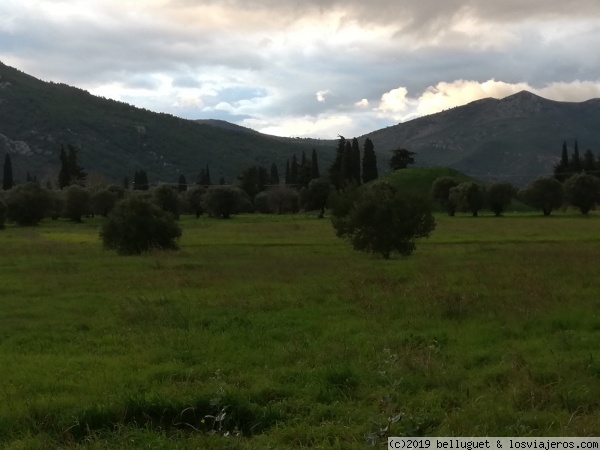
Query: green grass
(280, 329)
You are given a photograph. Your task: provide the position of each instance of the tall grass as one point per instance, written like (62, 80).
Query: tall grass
(292, 340)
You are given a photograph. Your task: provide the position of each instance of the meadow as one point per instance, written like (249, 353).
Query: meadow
(267, 332)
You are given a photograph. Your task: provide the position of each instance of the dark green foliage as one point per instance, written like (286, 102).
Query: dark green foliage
(70, 171)
(165, 196)
(354, 166)
(27, 204)
(335, 171)
(380, 219)
(543, 193)
(7, 180)
(499, 196)
(181, 183)
(440, 192)
(3, 214)
(369, 162)
(294, 171)
(562, 169)
(317, 195)
(304, 172)
(140, 181)
(582, 191)
(126, 183)
(576, 159)
(468, 197)
(401, 159)
(314, 165)
(204, 177)
(137, 225)
(194, 199)
(346, 174)
(104, 200)
(56, 204)
(77, 202)
(589, 163)
(288, 174)
(222, 201)
(253, 180)
(274, 175)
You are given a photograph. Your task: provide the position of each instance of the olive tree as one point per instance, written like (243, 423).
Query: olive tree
(582, 191)
(380, 219)
(499, 196)
(543, 193)
(468, 197)
(440, 192)
(27, 204)
(77, 202)
(136, 225)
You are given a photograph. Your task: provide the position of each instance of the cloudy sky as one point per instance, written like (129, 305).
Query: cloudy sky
(310, 68)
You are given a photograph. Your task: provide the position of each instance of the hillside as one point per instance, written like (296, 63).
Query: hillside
(115, 138)
(516, 138)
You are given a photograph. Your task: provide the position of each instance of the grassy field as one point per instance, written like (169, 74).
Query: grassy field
(268, 332)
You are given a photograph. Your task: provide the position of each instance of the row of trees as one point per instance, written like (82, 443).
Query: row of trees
(567, 166)
(580, 190)
(347, 166)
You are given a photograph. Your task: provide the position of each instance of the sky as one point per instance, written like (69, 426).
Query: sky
(307, 68)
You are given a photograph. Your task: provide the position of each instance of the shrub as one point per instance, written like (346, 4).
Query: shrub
(379, 219)
(194, 198)
(27, 204)
(137, 225)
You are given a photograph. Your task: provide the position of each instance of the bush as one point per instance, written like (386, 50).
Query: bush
(137, 225)
(27, 204)
(379, 219)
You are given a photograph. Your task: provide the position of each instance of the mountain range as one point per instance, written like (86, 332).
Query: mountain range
(516, 138)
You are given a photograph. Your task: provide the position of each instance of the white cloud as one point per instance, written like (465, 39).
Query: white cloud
(321, 95)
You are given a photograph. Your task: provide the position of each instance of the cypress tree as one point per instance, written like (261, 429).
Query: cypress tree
(7, 180)
(274, 176)
(294, 170)
(314, 166)
(562, 169)
(589, 162)
(576, 160)
(355, 163)
(369, 162)
(126, 183)
(182, 183)
(303, 160)
(347, 160)
(335, 171)
(64, 177)
(287, 173)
